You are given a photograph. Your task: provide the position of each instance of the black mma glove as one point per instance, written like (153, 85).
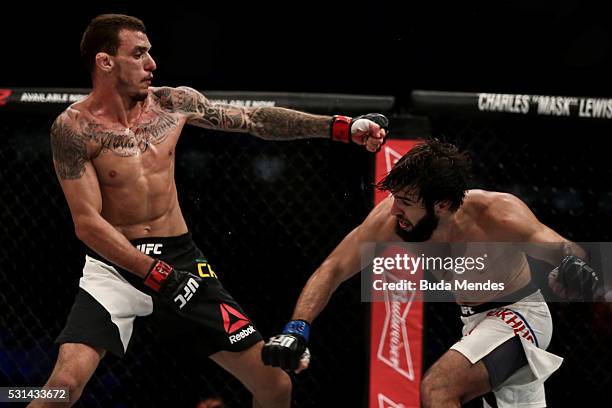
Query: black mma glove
(288, 348)
(176, 286)
(343, 127)
(578, 280)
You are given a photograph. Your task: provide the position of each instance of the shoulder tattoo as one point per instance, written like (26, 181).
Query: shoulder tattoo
(69, 151)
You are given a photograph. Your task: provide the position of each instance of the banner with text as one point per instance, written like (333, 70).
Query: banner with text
(396, 324)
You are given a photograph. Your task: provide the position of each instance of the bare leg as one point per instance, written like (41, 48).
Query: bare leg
(75, 365)
(453, 380)
(270, 386)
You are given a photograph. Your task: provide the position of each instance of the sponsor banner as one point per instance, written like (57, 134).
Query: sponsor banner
(580, 107)
(24, 98)
(49, 97)
(386, 402)
(396, 323)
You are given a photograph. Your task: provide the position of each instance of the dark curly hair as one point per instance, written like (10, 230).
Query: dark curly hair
(434, 170)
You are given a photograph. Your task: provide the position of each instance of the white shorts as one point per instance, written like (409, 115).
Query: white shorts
(530, 320)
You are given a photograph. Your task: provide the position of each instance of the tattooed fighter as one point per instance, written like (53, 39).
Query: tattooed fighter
(114, 156)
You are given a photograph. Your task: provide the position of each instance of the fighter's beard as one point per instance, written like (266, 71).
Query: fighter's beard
(421, 231)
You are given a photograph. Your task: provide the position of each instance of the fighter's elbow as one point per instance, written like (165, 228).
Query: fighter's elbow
(84, 228)
(333, 273)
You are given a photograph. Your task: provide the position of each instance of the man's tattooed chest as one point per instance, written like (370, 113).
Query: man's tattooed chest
(153, 129)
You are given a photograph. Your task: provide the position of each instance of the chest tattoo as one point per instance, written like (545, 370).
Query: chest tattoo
(151, 131)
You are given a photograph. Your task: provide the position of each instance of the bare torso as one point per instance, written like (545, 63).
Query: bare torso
(135, 168)
(114, 155)
(472, 224)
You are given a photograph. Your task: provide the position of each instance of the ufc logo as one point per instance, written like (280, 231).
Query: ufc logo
(148, 249)
(283, 341)
(467, 310)
(189, 290)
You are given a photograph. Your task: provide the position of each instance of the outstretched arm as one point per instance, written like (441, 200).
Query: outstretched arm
(341, 264)
(288, 349)
(344, 262)
(269, 123)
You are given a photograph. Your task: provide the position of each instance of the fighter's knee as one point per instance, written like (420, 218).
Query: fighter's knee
(65, 381)
(281, 387)
(276, 391)
(435, 391)
(69, 381)
(429, 390)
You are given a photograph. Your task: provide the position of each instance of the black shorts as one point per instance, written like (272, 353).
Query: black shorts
(110, 299)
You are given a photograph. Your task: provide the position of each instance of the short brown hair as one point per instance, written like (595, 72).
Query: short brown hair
(102, 35)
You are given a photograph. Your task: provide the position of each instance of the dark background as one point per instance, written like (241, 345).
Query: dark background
(376, 47)
(268, 213)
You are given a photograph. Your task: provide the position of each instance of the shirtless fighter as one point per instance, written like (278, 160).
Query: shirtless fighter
(114, 156)
(505, 333)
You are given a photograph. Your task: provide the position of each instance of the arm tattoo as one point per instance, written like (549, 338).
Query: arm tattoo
(265, 123)
(182, 100)
(222, 117)
(286, 124)
(69, 151)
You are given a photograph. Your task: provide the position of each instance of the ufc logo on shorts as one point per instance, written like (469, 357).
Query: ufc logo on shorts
(282, 341)
(148, 249)
(467, 310)
(189, 290)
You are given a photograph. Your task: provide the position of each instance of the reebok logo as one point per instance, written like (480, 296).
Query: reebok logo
(243, 334)
(233, 321)
(148, 249)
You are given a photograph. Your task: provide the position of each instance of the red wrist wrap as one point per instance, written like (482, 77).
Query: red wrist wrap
(341, 128)
(158, 273)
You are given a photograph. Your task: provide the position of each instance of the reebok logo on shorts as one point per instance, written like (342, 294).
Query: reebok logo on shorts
(233, 321)
(244, 333)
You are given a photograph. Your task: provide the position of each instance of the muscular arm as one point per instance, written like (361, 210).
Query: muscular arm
(79, 182)
(268, 123)
(341, 264)
(514, 220)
